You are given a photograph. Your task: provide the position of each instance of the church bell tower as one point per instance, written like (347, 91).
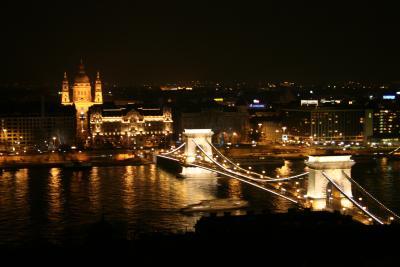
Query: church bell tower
(98, 95)
(65, 91)
(82, 98)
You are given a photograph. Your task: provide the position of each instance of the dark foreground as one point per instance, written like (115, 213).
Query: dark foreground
(292, 239)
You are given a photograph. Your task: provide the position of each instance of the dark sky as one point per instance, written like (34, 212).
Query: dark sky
(157, 41)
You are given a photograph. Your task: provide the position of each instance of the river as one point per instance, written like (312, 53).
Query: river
(57, 205)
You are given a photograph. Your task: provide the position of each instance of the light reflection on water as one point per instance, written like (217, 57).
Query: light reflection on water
(285, 170)
(381, 177)
(54, 195)
(56, 204)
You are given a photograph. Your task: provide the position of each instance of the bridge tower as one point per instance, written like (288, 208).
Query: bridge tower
(201, 137)
(333, 166)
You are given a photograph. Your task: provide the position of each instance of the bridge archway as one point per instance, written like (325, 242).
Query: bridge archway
(201, 137)
(336, 167)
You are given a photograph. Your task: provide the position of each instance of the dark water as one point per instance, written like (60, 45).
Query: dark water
(57, 205)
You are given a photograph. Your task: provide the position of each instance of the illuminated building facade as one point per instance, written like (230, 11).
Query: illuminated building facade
(328, 124)
(82, 99)
(386, 123)
(36, 126)
(130, 125)
(265, 126)
(266, 130)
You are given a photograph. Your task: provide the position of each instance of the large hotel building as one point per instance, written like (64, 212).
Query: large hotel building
(320, 124)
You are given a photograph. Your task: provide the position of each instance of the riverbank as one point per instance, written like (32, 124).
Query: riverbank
(260, 155)
(274, 153)
(76, 159)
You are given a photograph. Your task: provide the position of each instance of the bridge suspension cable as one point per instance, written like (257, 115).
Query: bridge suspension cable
(245, 181)
(288, 178)
(172, 151)
(371, 196)
(233, 163)
(394, 150)
(226, 169)
(235, 174)
(250, 179)
(351, 199)
(271, 179)
(235, 177)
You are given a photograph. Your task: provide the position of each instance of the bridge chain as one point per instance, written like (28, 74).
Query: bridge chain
(371, 196)
(253, 181)
(259, 174)
(351, 199)
(176, 149)
(235, 174)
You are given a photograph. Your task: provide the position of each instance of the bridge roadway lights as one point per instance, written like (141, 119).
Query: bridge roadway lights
(202, 137)
(333, 166)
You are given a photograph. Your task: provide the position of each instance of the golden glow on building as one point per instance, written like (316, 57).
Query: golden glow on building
(129, 125)
(82, 99)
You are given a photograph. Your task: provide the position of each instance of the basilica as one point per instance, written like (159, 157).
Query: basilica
(82, 98)
(127, 125)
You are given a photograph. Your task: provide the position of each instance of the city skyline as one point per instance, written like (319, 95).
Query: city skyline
(134, 42)
(134, 125)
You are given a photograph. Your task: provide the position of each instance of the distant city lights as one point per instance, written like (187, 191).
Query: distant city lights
(389, 97)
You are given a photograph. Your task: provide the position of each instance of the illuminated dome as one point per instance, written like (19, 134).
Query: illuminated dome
(81, 77)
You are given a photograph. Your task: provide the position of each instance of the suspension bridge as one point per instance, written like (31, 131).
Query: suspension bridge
(327, 185)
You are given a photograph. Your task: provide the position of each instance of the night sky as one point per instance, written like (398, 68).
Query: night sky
(159, 41)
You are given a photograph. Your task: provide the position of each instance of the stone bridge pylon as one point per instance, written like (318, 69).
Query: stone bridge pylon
(319, 189)
(201, 137)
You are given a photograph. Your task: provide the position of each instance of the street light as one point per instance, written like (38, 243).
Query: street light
(54, 141)
(284, 137)
(234, 137)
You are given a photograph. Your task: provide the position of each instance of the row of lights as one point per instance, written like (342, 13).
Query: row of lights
(297, 190)
(128, 133)
(297, 183)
